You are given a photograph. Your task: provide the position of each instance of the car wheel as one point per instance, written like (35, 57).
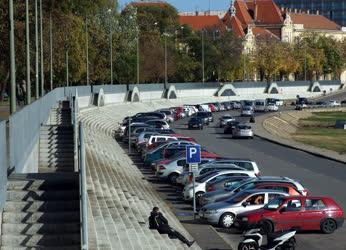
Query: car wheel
(173, 178)
(328, 226)
(201, 127)
(248, 246)
(227, 220)
(267, 227)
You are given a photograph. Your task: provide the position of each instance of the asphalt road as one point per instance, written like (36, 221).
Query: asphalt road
(319, 175)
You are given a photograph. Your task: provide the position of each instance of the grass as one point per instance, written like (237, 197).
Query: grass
(318, 131)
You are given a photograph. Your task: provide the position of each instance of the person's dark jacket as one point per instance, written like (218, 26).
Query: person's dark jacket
(159, 222)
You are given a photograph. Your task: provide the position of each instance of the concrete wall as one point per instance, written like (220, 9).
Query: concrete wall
(184, 90)
(3, 163)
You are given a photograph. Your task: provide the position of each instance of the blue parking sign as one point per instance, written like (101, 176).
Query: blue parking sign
(193, 154)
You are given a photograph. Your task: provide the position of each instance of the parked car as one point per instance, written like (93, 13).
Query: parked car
(221, 195)
(195, 122)
(225, 119)
(271, 107)
(161, 124)
(333, 104)
(302, 212)
(223, 213)
(242, 131)
(230, 126)
(168, 113)
(224, 183)
(203, 115)
(202, 180)
(247, 111)
(343, 103)
(240, 162)
(171, 169)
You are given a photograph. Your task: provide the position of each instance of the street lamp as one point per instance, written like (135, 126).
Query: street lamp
(203, 70)
(87, 50)
(12, 59)
(41, 49)
(165, 34)
(37, 94)
(111, 42)
(51, 50)
(27, 40)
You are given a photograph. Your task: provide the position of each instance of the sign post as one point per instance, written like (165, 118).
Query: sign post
(193, 157)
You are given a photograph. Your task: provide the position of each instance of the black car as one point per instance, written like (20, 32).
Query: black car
(343, 103)
(230, 126)
(195, 122)
(204, 116)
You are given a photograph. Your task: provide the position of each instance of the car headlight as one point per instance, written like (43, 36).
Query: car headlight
(212, 211)
(244, 219)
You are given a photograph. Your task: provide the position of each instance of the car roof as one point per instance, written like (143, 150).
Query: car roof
(254, 191)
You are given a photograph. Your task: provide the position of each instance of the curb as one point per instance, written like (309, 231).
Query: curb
(300, 149)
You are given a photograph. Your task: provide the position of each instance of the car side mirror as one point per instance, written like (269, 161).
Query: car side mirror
(245, 204)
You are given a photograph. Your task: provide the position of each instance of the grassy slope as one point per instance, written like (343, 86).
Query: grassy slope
(317, 131)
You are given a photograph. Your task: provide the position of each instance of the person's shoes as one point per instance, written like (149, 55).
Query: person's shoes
(190, 243)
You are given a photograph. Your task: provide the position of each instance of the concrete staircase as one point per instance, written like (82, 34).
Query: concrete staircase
(56, 141)
(41, 212)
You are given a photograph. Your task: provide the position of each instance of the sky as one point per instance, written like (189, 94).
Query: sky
(192, 5)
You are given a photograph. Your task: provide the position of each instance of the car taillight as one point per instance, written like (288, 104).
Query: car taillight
(164, 162)
(305, 192)
(190, 178)
(258, 174)
(162, 168)
(210, 189)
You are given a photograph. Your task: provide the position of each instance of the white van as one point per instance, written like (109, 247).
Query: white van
(260, 105)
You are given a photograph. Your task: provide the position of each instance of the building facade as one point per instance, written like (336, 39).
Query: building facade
(331, 9)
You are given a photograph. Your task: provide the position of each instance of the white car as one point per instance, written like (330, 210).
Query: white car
(160, 138)
(260, 105)
(201, 181)
(158, 124)
(271, 107)
(246, 164)
(223, 213)
(333, 104)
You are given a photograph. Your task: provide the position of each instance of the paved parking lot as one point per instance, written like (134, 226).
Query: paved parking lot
(320, 176)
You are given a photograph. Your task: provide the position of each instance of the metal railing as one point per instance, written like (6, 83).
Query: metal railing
(82, 190)
(3, 163)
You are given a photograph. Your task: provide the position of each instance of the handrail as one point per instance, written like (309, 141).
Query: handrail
(82, 190)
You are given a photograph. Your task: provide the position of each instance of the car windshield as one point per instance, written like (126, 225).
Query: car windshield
(238, 197)
(247, 108)
(227, 117)
(195, 119)
(274, 204)
(244, 127)
(204, 177)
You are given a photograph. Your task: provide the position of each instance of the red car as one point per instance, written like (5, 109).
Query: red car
(294, 212)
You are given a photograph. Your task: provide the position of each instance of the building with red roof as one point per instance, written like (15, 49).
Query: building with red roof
(206, 22)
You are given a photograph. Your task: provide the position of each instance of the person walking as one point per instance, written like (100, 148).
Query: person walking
(158, 222)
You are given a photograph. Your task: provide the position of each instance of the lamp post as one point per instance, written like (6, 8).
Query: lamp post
(111, 43)
(37, 94)
(27, 40)
(67, 69)
(137, 39)
(41, 49)
(12, 59)
(166, 66)
(51, 49)
(203, 70)
(87, 50)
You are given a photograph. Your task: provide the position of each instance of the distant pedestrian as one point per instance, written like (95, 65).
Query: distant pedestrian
(23, 88)
(160, 223)
(19, 94)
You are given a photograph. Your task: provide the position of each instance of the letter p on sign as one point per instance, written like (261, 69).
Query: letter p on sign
(193, 154)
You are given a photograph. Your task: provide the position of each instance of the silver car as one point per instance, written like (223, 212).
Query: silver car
(242, 131)
(223, 213)
(225, 119)
(224, 194)
(247, 111)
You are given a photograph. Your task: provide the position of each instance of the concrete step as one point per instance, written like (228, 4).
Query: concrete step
(53, 159)
(58, 155)
(40, 228)
(60, 136)
(51, 147)
(62, 164)
(50, 141)
(45, 177)
(41, 195)
(43, 169)
(56, 128)
(70, 247)
(41, 206)
(40, 240)
(45, 150)
(42, 185)
(40, 217)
